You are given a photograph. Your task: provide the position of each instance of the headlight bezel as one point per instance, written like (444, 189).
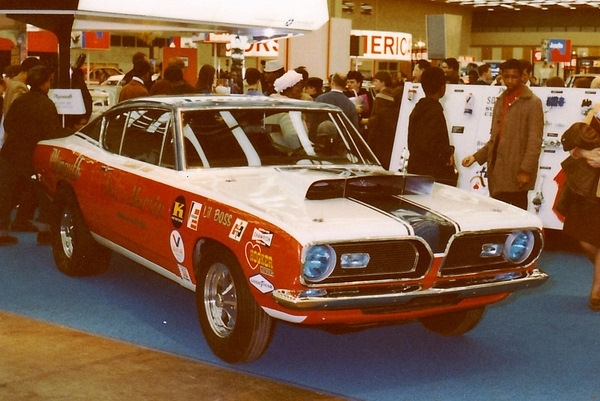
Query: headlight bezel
(514, 245)
(310, 262)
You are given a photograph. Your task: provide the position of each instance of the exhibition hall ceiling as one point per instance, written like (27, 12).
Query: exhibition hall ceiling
(527, 4)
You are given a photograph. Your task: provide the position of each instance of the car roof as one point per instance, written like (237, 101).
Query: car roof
(571, 78)
(229, 101)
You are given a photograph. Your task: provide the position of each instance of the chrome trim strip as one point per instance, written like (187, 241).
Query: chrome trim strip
(290, 300)
(144, 262)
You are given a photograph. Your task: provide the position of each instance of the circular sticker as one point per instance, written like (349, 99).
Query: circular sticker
(177, 246)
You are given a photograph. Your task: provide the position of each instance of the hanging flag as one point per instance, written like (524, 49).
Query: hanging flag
(99, 40)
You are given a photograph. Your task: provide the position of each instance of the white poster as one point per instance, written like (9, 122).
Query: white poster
(468, 111)
(67, 101)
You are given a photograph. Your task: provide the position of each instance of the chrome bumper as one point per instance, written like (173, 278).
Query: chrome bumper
(410, 296)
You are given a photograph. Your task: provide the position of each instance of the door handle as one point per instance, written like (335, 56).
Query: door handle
(106, 168)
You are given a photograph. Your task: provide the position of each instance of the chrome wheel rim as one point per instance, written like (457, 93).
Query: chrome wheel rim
(66, 233)
(220, 300)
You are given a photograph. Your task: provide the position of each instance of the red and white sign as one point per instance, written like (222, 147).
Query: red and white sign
(259, 49)
(383, 45)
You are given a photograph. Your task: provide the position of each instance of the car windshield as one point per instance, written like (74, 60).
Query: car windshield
(259, 137)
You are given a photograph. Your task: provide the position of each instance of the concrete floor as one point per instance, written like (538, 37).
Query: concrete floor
(41, 361)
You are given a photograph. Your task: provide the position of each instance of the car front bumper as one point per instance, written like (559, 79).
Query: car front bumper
(409, 296)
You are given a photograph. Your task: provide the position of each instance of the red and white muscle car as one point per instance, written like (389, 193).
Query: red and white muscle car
(275, 209)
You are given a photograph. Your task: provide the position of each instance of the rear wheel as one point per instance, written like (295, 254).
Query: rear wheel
(234, 325)
(454, 323)
(76, 253)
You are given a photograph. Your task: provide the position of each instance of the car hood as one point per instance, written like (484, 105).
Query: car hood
(319, 204)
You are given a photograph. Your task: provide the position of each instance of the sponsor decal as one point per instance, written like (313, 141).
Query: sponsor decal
(262, 236)
(177, 246)
(256, 259)
(261, 283)
(223, 218)
(151, 205)
(267, 271)
(133, 220)
(207, 212)
(194, 217)
(135, 198)
(555, 101)
(178, 212)
(238, 229)
(184, 273)
(63, 168)
(218, 216)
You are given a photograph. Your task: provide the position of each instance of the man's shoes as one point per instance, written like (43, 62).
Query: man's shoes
(43, 238)
(595, 304)
(8, 240)
(23, 226)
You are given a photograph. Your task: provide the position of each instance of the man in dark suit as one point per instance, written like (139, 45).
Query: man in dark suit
(336, 97)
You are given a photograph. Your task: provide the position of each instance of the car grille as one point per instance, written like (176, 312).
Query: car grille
(464, 254)
(390, 260)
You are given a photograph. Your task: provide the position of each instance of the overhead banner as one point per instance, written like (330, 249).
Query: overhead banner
(258, 19)
(250, 18)
(381, 45)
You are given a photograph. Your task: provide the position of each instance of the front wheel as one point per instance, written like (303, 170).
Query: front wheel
(75, 251)
(454, 323)
(235, 327)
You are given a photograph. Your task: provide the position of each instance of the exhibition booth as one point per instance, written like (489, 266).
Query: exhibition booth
(468, 110)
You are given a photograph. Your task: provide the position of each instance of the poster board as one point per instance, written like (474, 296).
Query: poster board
(468, 111)
(67, 101)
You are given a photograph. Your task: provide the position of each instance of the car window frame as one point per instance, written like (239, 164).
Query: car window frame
(167, 141)
(196, 154)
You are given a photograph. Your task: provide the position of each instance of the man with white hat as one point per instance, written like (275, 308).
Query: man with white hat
(273, 70)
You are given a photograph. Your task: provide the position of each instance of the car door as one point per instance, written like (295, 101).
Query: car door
(138, 175)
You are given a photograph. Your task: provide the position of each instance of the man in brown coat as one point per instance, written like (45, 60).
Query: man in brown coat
(514, 148)
(136, 87)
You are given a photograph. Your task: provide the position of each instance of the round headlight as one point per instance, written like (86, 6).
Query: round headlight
(518, 246)
(319, 262)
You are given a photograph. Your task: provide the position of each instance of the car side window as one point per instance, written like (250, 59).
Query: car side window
(142, 134)
(113, 133)
(210, 141)
(93, 129)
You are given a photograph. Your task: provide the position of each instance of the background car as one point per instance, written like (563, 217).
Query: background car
(277, 210)
(107, 93)
(580, 80)
(114, 80)
(100, 74)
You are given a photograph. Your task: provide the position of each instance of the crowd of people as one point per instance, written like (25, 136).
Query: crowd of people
(375, 117)
(28, 116)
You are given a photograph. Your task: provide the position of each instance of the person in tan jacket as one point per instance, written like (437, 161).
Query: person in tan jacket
(515, 144)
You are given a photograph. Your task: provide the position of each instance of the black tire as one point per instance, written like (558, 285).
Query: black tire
(235, 327)
(75, 251)
(454, 323)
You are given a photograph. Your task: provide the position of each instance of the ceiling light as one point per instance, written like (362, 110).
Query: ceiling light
(539, 4)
